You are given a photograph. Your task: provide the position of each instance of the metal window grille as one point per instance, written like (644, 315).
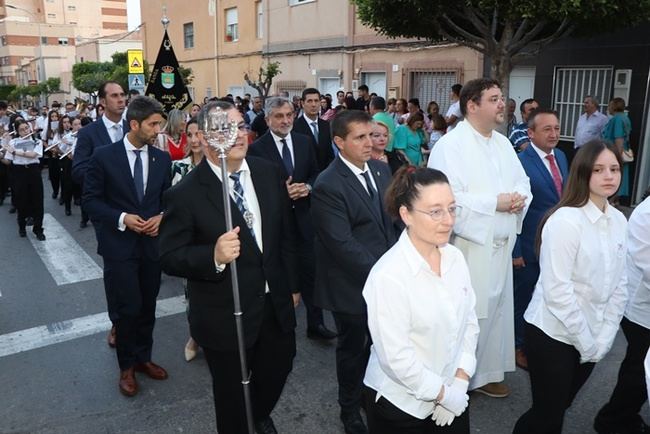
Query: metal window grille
(571, 85)
(428, 85)
(292, 87)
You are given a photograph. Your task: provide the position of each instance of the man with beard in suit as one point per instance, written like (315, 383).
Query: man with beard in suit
(295, 156)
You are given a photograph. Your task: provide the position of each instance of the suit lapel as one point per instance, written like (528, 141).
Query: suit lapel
(265, 196)
(104, 137)
(543, 171)
(153, 173)
(356, 185)
(271, 151)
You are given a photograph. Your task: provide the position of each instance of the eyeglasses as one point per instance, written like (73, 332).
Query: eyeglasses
(439, 213)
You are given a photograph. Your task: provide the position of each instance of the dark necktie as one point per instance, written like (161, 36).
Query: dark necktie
(240, 201)
(374, 196)
(286, 157)
(138, 178)
(557, 178)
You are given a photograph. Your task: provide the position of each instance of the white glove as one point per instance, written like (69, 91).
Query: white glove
(441, 416)
(455, 397)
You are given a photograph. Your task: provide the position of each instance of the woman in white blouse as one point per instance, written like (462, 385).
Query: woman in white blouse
(420, 315)
(621, 413)
(581, 293)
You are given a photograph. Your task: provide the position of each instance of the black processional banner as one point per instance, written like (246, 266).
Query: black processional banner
(166, 84)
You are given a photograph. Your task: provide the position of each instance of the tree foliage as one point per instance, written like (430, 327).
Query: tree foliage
(503, 30)
(265, 76)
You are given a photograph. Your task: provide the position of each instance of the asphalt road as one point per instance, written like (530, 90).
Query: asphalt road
(70, 387)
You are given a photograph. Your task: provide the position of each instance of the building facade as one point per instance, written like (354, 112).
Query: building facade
(38, 37)
(218, 40)
(319, 43)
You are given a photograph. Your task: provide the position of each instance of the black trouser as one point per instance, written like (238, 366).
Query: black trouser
(630, 393)
(524, 280)
(54, 173)
(306, 275)
(386, 418)
(270, 361)
(66, 182)
(131, 287)
(4, 181)
(27, 187)
(556, 376)
(352, 352)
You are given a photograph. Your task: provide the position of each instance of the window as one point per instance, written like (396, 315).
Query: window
(232, 32)
(260, 20)
(188, 35)
(208, 92)
(51, 15)
(298, 2)
(428, 85)
(4, 40)
(571, 85)
(72, 8)
(43, 40)
(63, 41)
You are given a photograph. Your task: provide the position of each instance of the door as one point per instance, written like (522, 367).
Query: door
(329, 85)
(522, 85)
(376, 82)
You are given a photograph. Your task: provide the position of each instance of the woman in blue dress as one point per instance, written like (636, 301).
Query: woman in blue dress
(617, 130)
(410, 137)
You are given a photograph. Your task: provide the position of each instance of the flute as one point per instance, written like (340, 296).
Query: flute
(65, 154)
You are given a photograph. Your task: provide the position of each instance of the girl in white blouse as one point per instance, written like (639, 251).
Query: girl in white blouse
(581, 293)
(420, 315)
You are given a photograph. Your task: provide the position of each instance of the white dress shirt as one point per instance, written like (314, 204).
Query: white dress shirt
(279, 145)
(581, 293)
(638, 265)
(25, 145)
(130, 155)
(312, 124)
(423, 326)
(454, 110)
(114, 129)
(589, 128)
(359, 173)
(250, 199)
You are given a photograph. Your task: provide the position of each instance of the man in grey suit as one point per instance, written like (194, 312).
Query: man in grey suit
(352, 232)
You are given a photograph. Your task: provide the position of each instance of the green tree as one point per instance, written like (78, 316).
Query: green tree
(503, 30)
(50, 86)
(5, 91)
(88, 76)
(264, 78)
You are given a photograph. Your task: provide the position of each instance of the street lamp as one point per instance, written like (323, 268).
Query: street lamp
(41, 61)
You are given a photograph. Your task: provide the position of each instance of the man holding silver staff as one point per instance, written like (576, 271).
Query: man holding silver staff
(195, 244)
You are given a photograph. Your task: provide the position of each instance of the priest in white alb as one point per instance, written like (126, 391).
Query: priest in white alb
(493, 191)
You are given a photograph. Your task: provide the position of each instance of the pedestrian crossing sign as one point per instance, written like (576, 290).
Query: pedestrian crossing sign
(136, 62)
(136, 81)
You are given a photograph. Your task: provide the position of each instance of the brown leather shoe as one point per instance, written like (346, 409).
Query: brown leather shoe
(128, 384)
(520, 359)
(111, 337)
(152, 370)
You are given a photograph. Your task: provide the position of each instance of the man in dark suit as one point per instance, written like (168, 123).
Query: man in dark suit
(294, 155)
(547, 169)
(123, 192)
(311, 125)
(108, 129)
(195, 244)
(352, 232)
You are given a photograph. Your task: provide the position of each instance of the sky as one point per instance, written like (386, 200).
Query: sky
(133, 13)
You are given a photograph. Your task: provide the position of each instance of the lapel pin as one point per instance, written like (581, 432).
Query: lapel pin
(377, 173)
(153, 158)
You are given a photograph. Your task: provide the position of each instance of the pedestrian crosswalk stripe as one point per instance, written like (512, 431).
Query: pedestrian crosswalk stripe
(63, 257)
(62, 331)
